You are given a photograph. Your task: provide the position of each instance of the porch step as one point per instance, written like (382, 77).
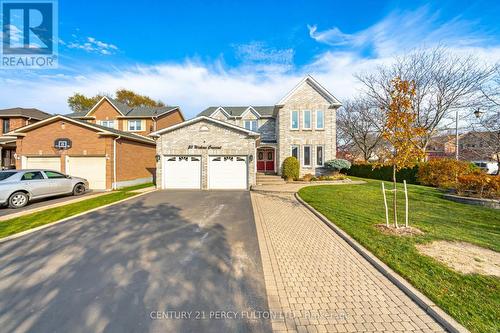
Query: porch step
(263, 179)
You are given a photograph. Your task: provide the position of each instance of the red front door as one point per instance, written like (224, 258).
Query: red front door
(265, 160)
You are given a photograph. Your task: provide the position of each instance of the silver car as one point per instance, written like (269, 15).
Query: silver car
(18, 187)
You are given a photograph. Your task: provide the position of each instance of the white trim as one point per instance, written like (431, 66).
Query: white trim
(298, 151)
(221, 109)
(304, 155)
(304, 120)
(316, 155)
(291, 120)
(250, 109)
(97, 104)
(316, 86)
(316, 120)
(251, 120)
(135, 120)
(200, 118)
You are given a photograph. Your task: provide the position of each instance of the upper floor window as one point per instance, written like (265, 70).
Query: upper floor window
(251, 125)
(307, 119)
(108, 123)
(294, 120)
(6, 125)
(135, 125)
(320, 119)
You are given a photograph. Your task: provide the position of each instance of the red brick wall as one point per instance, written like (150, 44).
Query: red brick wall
(134, 160)
(168, 120)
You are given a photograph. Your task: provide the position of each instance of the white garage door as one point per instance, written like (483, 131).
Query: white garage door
(50, 163)
(182, 172)
(227, 172)
(91, 168)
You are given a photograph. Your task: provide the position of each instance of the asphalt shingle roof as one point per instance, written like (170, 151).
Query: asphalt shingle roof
(28, 113)
(237, 111)
(127, 111)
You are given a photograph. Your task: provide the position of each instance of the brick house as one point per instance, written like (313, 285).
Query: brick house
(111, 113)
(223, 147)
(12, 119)
(107, 145)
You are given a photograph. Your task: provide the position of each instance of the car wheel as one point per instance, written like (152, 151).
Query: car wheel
(18, 200)
(79, 189)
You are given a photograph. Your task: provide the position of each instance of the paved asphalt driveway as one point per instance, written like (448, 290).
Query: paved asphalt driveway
(133, 266)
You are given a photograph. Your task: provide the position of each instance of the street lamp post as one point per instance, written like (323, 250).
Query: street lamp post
(456, 135)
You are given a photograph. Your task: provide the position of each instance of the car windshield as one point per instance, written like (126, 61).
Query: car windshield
(6, 174)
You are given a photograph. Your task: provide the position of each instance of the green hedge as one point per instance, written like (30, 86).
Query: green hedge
(383, 173)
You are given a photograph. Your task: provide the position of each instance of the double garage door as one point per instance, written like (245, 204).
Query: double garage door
(91, 168)
(223, 172)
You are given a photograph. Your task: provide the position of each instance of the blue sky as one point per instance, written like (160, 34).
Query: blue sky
(200, 53)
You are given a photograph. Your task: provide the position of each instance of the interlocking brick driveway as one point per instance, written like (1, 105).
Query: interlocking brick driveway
(317, 283)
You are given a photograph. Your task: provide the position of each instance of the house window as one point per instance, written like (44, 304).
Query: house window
(6, 125)
(319, 156)
(307, 156)
(295, 151)
(251, 125)
(294, 120)
(135, 125)
(108, 123)
(307, 119)
(320, 119)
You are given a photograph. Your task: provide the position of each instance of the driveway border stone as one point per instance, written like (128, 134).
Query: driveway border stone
(48, 225)
(425, 303)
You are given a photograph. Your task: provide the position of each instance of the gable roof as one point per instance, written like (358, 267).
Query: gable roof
(200, 118)
(99, 128)
(238, 111)
(316, 86)
(26, 113)
(127, 111)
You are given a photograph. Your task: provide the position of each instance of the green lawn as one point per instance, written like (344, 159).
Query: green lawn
(19, 224)
(473, 300)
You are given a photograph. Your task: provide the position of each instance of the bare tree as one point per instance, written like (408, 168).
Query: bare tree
(444, 82)
(360, 126)
(485, 122)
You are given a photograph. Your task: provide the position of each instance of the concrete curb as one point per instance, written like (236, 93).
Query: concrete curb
(48, 225)
(425, 303)
(41, 209)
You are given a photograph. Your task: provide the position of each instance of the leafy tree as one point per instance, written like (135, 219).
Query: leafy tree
(133, 99)
(402, 131)
(80, 103)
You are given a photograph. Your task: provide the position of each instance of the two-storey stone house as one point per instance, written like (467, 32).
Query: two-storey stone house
(225, 146)
(302, 124)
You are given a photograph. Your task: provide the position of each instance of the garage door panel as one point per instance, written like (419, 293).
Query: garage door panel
(227, 172)
(182, 172)
(49, 163)
(91, 168)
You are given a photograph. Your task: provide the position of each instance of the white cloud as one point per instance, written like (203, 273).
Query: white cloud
(259, 52)
(93, 45)
(400, 31)
(260, 78)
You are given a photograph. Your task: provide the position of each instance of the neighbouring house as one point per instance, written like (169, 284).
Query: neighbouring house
(108, 145)
(108, 158)
(12, 119)
(224, 147)
(140, 120)
(479, 146)
(441, 146)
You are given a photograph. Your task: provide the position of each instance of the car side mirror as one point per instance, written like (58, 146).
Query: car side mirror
(68, 176)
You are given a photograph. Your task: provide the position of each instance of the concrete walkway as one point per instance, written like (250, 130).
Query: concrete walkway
(317, 283)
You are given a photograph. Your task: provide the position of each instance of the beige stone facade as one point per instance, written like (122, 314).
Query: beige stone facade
(229, 141)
